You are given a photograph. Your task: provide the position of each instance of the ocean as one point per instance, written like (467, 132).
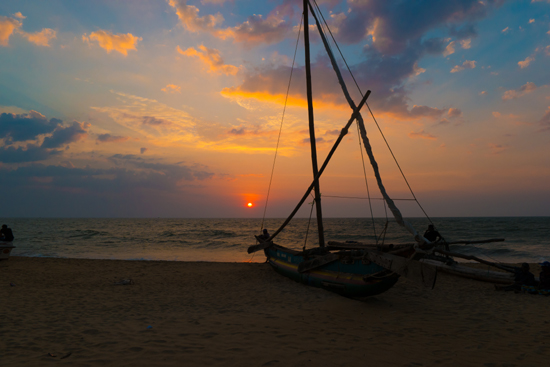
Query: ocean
(527, 239)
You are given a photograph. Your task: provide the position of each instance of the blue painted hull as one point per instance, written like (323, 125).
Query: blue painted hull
(350, 278)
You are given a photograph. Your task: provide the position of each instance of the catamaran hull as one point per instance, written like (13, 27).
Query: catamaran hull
(350, 279)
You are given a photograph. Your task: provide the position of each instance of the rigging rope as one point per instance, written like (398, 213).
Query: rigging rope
(281, 127)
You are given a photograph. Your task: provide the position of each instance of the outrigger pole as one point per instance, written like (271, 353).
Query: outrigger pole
(312, 128)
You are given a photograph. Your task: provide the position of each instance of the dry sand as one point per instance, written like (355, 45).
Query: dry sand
(245, 314)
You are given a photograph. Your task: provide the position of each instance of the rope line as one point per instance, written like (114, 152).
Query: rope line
(281, 127)
(358, 197)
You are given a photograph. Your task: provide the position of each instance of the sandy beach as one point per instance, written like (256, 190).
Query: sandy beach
(70, 312)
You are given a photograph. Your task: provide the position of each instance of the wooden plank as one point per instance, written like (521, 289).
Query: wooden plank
(477, 241)
(422, 273)
(262, 245)
(316, 262)
(496, 277)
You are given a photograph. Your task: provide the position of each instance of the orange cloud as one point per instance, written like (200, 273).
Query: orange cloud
(211, 58)
(7, 27)
(422, 135)
(189, 17)
(172, 88)
(41, 38)
(293, 100)
(119, 42)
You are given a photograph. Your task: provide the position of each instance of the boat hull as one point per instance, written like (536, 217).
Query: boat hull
(347, 278)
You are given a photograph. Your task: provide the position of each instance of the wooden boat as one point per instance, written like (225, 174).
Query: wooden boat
(5, 250)
(354, 271)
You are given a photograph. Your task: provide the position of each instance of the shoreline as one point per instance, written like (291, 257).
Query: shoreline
(245, 314)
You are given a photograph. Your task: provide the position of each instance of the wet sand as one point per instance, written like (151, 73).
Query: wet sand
(245, 314)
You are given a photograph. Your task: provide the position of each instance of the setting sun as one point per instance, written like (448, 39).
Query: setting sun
(249, 205)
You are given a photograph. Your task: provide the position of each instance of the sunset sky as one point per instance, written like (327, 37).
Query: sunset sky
(113, 108)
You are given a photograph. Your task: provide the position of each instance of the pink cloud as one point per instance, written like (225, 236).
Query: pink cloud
(516, 93)
(525, 63)
(468, 64)
(454, 112)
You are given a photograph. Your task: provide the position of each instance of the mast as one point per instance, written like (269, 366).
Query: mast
(312, 128)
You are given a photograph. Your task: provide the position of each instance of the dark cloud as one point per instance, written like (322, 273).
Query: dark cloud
(27, 126)
(396, 24)
(399, 43)
(108, 138)
(66, 135)
(240, 131)
(142, 150)
(173, 172)
(29, 153)
(149, 120)
(384, 75)
(131, 183)
(466, 31)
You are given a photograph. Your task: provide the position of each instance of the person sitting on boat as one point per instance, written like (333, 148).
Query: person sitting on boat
(544, 276)
(265, 235)
(6, 234)
(432, 235)
(522, 277)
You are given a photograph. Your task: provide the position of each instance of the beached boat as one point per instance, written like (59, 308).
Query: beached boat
(5, 250)
(348, 269)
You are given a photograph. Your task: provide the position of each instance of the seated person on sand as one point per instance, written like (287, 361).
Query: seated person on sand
(522, 277)
(544, 276)
(6, 234)
(432, 235)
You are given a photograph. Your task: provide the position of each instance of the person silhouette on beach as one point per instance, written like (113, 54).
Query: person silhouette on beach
(6, 234)
(265, 235)
(522, 277)
(432, 235)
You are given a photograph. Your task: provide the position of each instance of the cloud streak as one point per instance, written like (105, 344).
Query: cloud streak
(211, 58)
